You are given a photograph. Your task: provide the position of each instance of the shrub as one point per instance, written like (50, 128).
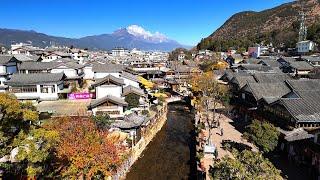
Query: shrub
(102, 121)
(132, 100)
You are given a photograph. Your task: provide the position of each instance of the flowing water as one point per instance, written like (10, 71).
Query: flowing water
(171, 153)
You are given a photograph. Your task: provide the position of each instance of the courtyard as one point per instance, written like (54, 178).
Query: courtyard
(64, 107)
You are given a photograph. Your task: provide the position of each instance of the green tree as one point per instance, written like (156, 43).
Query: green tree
(263, 134)
(102, 121)
(35, 150)
(228, 168)
(20, 132)
(15, 117)
(244, 165)
(173, 56)
(132, 100)
(314, 33)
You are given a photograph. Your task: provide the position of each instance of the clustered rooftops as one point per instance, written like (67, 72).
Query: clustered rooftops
(300, 97)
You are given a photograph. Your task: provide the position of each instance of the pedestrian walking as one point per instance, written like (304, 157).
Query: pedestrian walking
(221, 133)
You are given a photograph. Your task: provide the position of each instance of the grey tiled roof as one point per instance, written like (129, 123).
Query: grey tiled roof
(64, 60)
(255, 67)
(269, 91)
(131, 121)
(270, 100)
(35, 58)
(118, 81)
(301, 65)
(304, 109)
(311, 58)
(30, 65)
(113, 99)
(270, 62)
(131, 89)
(289, 59)
(71, 65)
(271, 77)
(229, 74)
(296, 134)
(4, 59)
(129, 76)
(304, 84)
(107, 68)
(33, 79)
(241, 81)
(23, 57)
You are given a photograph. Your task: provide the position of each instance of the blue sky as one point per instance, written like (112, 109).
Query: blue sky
(186, 21)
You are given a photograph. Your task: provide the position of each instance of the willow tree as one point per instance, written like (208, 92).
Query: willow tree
(211, 94)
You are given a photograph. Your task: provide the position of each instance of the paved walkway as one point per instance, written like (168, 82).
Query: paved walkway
(229, 133)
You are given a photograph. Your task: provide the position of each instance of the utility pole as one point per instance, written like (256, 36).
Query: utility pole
(303, 28)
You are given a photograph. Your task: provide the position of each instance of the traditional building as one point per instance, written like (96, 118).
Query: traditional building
(73, 71)
(40, 86)
(8, 66)
(129, 79)
(143, 100)
(109, 85)
(111, 105)
(305, 46)
(103, 70)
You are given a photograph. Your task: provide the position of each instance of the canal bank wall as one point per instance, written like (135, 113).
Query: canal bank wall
(148, 133)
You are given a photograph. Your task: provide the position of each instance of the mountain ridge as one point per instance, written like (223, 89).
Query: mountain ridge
(278, 25)
(95, 42)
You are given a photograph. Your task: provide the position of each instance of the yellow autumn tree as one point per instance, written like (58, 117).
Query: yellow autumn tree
(220, 65)
(211, 94)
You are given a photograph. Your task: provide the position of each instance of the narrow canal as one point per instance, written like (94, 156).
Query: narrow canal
(171, 154)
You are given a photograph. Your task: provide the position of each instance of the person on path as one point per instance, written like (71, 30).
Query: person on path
(221, 133)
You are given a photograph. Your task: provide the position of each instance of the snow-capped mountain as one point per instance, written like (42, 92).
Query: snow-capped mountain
(133, 36)
(138, 31)
(130, 37)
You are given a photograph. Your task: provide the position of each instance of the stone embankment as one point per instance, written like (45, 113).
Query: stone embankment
(148, 133)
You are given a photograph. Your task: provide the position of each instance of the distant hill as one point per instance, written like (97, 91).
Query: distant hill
(278, 25)
(131, 37)
(10, 36)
